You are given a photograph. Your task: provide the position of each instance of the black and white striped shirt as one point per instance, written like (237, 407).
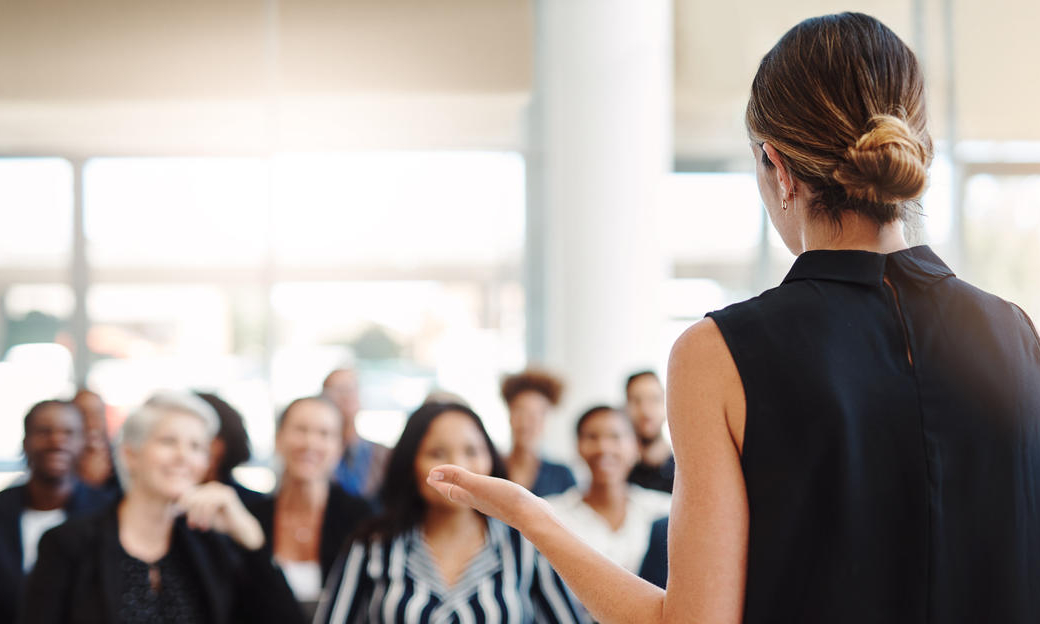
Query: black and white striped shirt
(507, 582)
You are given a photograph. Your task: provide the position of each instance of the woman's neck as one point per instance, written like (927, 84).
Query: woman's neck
(301, 494)
(610, 500)
(607, 494)
(856, 232)
(522, 454)
(442, 523)
(145, 524)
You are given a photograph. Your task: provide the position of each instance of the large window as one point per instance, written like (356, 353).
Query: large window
(254, 277)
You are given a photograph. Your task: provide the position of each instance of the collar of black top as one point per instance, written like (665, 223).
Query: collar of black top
(918, 264)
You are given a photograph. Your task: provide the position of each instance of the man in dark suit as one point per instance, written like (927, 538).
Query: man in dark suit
(52, 444)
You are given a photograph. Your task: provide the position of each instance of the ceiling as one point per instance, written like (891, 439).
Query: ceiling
(236, 76)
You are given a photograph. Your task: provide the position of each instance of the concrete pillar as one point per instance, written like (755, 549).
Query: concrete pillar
(600, 141)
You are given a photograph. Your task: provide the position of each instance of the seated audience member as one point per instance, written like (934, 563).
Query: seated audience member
(530, 395)
(362, 468)
(171, 550)
(644, 398)
(309, 517)
(230, 448)
(95, 463)
(52, 444)
(655, 564)
(427, 559)
(613, 516)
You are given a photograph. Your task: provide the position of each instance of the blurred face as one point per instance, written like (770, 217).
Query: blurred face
(53, 441)
(341, 387)
(309, 441)
(646, 408)
(527, 412)
(608, 446)
(172, 459)
(453, 438)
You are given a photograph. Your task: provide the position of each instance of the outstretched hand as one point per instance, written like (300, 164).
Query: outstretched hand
(491, 496)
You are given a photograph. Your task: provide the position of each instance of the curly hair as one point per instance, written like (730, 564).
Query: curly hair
(538, 380)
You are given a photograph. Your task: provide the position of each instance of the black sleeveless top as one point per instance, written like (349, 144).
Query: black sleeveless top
(880, 490)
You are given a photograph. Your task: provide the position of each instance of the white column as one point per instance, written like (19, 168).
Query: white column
(600, 141)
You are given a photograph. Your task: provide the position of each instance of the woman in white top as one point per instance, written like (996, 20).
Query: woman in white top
(612, 515)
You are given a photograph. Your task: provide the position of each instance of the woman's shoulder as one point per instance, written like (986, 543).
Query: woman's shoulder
(653, 502)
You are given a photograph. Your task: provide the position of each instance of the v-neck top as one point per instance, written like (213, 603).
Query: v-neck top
(397, 581)
(892, 444)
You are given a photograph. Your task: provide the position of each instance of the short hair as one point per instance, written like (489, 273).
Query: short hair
(280, 420)
(532, 379)
(42, 405)
(595, 411)
(141, 421)
(841, 98)
(636, 376)
(232, 431)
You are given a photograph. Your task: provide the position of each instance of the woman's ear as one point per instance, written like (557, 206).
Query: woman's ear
(783, 175)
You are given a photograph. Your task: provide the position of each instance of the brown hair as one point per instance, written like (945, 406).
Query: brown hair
(841, 98)
(543, 382)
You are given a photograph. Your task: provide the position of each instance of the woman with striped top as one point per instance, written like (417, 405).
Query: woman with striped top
(427, 560)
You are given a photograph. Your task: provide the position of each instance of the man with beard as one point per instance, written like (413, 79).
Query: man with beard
(644, 397)
(53, 442)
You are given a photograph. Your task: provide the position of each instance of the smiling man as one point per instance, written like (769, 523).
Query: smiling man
(53, 442)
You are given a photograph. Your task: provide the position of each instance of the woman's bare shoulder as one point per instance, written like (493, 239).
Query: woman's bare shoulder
(703, 377)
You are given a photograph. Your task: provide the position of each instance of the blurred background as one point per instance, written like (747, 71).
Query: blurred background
(239, 196)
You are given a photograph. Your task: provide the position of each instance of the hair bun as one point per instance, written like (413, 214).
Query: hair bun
(888, 164)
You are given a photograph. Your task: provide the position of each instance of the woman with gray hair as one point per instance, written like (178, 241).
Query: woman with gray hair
(171, 550)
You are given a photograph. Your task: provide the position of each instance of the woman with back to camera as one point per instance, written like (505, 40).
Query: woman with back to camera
(427, 560)
(310, 516)
(862, 442)
(171, 550)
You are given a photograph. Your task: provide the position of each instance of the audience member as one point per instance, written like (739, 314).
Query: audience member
(53, 441)
(309, 517)
(613, 516)
(530, 395)
(426, 559)
(229, 448)
(363, 466)
(644, 399)
(170, 550)
(655, 563)
(95, 463)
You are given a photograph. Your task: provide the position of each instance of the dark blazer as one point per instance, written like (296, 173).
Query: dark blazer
(77, 579)
(343, 514)
(13, 502)
(655, 562)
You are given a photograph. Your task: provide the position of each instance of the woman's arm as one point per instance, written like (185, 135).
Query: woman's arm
(709, 518)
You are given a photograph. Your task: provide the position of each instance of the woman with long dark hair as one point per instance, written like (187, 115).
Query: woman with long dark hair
(427, 559)
(862, 442)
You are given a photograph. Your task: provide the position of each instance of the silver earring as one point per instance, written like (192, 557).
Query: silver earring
(783, 204)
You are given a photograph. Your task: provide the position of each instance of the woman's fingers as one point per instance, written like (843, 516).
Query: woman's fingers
(215, 506)
(494, 497)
